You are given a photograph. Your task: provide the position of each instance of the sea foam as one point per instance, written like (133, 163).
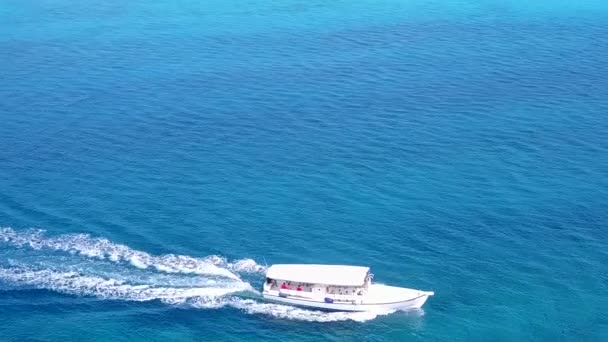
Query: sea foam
(101, 248)
(210, 282)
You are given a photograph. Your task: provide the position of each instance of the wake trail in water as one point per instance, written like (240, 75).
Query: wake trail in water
(82, 265)
(78, 284)
(100, 248)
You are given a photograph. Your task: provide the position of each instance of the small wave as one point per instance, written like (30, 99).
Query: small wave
(100, 248)
(240, 266)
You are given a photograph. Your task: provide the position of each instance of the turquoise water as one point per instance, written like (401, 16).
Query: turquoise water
(156, 154)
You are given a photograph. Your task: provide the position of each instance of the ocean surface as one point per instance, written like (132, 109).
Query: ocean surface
(156, 155)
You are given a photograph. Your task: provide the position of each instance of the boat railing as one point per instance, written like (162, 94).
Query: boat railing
(343, 296)
(335, 297)
(338, 298)
(296, 293)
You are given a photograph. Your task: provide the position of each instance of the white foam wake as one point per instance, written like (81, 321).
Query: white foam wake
(79, 284)
(75, 283)
(100, 248)
(217, 283)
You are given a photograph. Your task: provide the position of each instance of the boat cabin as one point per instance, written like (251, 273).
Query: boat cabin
(330, 282)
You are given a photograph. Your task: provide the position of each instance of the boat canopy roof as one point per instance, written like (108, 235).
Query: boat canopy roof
(339, 275)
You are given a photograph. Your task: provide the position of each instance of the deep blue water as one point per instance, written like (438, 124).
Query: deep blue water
(453, 146)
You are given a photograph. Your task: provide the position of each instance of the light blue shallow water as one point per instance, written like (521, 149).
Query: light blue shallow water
(154, 153)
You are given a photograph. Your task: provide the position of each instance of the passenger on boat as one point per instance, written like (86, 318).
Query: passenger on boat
(284, 286)
(299, 288)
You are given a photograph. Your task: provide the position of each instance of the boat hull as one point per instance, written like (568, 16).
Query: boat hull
(404, 305)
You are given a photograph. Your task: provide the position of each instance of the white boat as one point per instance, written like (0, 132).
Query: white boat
(337, 288)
